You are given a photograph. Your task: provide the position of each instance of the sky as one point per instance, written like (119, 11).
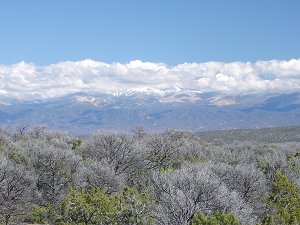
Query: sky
(51, 48)
(166, 31)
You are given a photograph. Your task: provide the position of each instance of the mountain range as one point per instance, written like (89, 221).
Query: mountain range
(83, 113)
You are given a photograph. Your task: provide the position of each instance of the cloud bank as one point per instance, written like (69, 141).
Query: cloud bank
(28, 81)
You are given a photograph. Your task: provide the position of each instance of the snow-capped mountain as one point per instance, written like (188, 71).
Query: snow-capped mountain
(154, 109)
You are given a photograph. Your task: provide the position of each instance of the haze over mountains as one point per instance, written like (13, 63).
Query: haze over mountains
(88, 95)
(83, 113)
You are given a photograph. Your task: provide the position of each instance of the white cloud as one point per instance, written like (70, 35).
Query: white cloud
(28, 81)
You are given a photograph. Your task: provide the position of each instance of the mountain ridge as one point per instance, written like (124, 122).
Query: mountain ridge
(181, 109)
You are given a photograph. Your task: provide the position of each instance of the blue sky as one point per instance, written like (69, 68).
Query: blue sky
(168, 31)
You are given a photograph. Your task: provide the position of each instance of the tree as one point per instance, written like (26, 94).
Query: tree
(161, 152)
(284, 200)
(56, 167)
(96, 207)
(89, 207)
(184, 192)
(16, 189)
(218, 218)
(268, 220)
(116, 148)
(139, 132)
(247, 181)
(102, 175)
(136, 207)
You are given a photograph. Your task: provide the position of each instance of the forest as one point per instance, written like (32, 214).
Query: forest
(140, 177)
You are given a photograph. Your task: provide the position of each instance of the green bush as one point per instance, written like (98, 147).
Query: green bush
(86, 207)
(284, 200)
(218, 218)
(39, 215)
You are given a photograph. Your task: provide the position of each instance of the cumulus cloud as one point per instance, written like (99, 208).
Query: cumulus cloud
(28, 81)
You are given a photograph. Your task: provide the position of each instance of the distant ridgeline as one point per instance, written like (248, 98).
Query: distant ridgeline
(264, 135)
(83, 114)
